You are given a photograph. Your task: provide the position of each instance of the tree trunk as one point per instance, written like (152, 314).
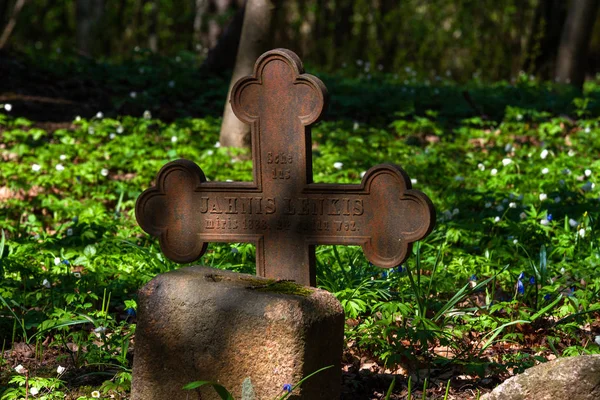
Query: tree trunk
(153, 27)
(89, 13)
(11, 22)
(222, 57)
(256, 37)
(201, 6)
(574, 42)
(219, 9)
(544, 38)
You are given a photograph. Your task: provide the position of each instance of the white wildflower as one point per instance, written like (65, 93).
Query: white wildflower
(523, 215)
(508, 148)
(63, 157)
(99, 115)
(588, 172)
(46, 283)
(36, 167)
(56, 260)
(60, 167)
(519, 117)
(147, 115)
(174, 139)
(544, 154)
(494, 171)
(355, 126)
(543, 196)
(481, 167)
(228, 180)
(571, 153)
(581, 233)
(506, 161)
(119, 129)
(34, 391)
(133, 95)
(512, 204)
(104, 172)
(597, 340)
(338, 165)
(573, 223)
(209, 152)
(362, 174)
(96, 394)
(587, 129)
(77, 275)
(545, 171)
(497, 219)
(60, 369)
(8, 107)
(218, 144)
(562, 270)
(544, 222)
(20, 369)
(413, 181)
(515, 241)
(100, 329)
(91, 130)
(112, 136)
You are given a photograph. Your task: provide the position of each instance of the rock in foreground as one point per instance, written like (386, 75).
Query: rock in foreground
(572, 378)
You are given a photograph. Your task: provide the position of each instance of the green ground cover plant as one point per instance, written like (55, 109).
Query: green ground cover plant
(509, 277)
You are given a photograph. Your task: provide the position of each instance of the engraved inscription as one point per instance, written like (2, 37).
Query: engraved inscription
(279, 158)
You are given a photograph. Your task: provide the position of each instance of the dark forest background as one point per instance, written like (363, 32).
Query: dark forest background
(465, 39)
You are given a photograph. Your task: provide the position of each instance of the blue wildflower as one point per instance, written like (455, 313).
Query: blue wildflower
(66, 262)
(549, 217)
(400, 269)
(287, 388)
(520, 287)
(130, 312)
(521, 276)
(532, 280)
(473, 278)
(75, 220)
(547, 297)
(234, 250)
(384, 275)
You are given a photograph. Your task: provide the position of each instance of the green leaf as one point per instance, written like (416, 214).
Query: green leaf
(220, 389)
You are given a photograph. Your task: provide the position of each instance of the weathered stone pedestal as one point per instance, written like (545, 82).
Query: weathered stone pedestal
(199, 323)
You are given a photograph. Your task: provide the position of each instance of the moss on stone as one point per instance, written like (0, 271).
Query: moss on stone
(282, 287)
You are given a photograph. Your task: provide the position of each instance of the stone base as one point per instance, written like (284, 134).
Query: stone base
(200, 323)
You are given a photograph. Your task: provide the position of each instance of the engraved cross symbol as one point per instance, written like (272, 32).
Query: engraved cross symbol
(282, 211)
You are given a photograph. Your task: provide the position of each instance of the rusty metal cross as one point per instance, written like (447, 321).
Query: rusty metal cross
(282, 211)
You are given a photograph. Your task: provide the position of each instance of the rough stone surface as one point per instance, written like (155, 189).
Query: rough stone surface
(199, 323)
(572, 378)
